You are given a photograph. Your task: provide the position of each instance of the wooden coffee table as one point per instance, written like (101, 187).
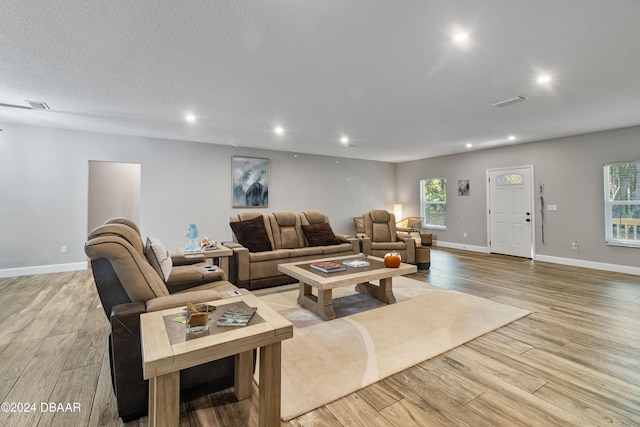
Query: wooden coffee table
(166, 351)
(322, 304)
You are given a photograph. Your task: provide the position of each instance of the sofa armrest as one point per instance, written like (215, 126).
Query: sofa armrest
(238, 264)
(177, 300)
(188, 259)
(365, 243)
(127, 315)
(411, 250)
(345, 238)
(232, 245)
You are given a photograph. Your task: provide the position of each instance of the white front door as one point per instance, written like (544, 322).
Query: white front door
(511, 212)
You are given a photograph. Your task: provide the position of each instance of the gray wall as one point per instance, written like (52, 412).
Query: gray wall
(571, 170)
(44, 190)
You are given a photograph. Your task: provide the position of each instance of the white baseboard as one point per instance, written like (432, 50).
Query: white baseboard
(462, 246)
(43, 269)
(617, 268)
(627, 269)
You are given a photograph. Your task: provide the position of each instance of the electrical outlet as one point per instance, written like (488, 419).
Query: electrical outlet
(574, 245)
(64, 249)
(464, 234)
(552, 208)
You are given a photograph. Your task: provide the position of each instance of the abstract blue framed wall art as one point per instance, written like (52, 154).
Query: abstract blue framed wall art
(250, 182)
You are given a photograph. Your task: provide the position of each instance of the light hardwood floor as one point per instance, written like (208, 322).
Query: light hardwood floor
(574, 361)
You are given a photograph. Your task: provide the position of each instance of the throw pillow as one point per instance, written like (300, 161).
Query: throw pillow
(159, 258)
(320, 234)
(252, 234)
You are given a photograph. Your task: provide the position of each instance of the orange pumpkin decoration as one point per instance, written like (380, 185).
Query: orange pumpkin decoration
(392, 260)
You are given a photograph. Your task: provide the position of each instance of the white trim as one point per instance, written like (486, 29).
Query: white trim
(461, 246)
(43, 269)
(616, 268)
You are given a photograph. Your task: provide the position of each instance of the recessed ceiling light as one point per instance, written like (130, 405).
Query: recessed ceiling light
(546, 78)
(460, 37)
(512, 138)
(279, 130)
(190, 118)
(469, 145)
(344, 140)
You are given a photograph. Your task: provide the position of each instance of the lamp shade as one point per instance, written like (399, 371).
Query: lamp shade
(397, 211)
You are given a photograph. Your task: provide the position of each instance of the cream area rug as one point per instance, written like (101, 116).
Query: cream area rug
(369, 340)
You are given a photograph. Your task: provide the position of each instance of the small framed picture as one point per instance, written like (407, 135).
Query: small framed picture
(463, 187)
(250, 178)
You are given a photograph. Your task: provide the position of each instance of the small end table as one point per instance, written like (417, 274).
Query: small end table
(162, 359)
(221, 252)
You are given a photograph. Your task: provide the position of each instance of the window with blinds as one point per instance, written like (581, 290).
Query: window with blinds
(622, 204)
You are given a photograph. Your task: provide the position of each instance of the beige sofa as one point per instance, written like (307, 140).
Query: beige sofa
(262, 241)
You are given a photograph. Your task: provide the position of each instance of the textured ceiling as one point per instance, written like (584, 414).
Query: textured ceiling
(383, 72)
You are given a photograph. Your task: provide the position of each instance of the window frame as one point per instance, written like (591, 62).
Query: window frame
(610, 238)
(424, 202)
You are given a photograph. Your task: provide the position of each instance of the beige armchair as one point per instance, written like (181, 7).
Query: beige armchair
(381, 237)
(129, 286)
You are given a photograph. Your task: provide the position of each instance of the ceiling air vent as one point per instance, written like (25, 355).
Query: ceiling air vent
(36, 105)
(509, 101)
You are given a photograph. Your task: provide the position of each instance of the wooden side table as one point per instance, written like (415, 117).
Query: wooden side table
(165, 354)
(221, 252)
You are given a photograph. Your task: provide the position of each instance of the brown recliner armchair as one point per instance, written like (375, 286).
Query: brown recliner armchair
(183, 272)
(129, 286)
(381, 237)
(177, 259)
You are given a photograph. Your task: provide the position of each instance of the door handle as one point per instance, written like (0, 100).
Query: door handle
(528, 220)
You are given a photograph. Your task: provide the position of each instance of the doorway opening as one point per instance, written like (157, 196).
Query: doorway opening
(114, 191)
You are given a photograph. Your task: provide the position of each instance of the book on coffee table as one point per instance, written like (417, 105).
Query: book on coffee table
(327, 266)
(237, 316)
(357, 263)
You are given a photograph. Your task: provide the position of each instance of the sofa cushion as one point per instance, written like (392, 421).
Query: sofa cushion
(285, 227)
(309, 251)
(337, 249)
(159, 258)
(320, 234)
(252, 234)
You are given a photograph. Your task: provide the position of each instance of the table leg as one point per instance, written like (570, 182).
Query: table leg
(325, 304)
(322, 305)
(270, 386)
(386, 291)
(304, 294)
(243, 383)
(383, 293)
(164, 400)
